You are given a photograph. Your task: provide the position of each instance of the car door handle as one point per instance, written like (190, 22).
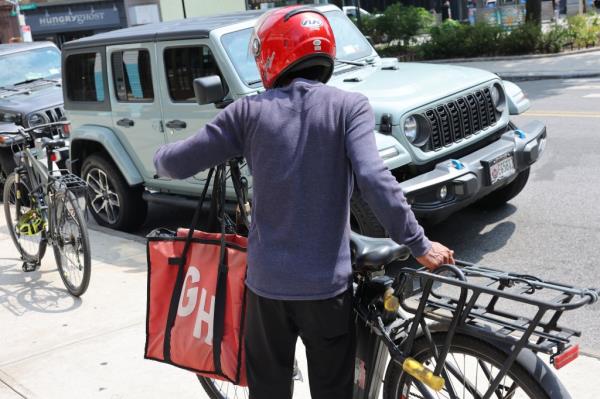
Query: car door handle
(125, 122)
(176, 124)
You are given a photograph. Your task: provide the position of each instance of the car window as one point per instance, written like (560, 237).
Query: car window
(183, 65)
(132, 75)
(84, 76)
(24, 66)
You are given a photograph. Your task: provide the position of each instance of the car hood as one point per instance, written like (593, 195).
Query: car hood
(31, 98)
(398, 87)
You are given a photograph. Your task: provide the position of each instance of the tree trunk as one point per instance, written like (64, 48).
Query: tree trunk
(533, 10)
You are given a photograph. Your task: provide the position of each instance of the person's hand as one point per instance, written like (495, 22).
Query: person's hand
(438, 255)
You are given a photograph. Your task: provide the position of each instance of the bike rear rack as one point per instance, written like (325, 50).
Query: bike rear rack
(66, 180)
(480, 301)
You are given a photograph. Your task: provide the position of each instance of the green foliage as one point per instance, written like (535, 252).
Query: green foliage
(524, 39)
(402, 23)
(399, 24)
(485, 39)
(583, 31)
(554, 40)
(452, 39)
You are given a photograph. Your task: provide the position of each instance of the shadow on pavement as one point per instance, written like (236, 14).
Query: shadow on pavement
(22, 292)
(474, 232)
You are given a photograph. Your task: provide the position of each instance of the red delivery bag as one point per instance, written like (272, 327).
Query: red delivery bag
(196, 296)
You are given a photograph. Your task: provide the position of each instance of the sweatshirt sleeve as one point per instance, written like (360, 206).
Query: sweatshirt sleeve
(377, 184)
(220, 140)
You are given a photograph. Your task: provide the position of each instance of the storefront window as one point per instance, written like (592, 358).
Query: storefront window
(132, 76)
(85, 78)
(22, 67)
(183, 65)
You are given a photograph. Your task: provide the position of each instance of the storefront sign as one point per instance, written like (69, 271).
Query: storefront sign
(71, 20)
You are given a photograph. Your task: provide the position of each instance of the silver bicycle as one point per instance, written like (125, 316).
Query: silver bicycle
(41, 206)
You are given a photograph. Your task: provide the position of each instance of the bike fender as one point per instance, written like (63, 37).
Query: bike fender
(109, 141)
(539, 369)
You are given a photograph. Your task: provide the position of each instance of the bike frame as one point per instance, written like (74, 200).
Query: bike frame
(40, 178)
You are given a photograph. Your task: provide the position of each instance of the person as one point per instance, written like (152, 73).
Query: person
(306, 144)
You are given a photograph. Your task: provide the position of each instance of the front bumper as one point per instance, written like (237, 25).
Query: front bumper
(466, 179)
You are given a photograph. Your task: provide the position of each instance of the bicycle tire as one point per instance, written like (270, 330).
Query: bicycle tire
(397, 384)
(82, 243)
(214, 392)
(10, 201)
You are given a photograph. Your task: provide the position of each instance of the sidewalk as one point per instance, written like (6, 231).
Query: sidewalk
(55, 346)
(582, 64)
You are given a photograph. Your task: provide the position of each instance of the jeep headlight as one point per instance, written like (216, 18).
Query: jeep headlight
(416, 130)
(411, 129)
(36, 119)
(498, 97)
(9, 117)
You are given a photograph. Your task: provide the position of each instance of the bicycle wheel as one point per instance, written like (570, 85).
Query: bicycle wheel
(217, 389)
(71, 243)
(31, 245)
(471, 365)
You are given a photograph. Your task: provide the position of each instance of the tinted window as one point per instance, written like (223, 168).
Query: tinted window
(132, 75)
(84, 77)
(183, 65)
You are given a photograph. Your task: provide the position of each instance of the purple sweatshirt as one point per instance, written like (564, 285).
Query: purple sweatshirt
(305, 144)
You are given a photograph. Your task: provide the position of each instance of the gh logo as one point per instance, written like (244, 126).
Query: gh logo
(188, 301)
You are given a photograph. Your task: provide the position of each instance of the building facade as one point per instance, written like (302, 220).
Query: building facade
(9, 25)
(60, 21)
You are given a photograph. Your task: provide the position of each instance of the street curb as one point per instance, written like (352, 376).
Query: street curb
(513, 57)
(549, 76)
(117, 233)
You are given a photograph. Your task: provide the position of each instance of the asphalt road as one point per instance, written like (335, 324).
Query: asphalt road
(552, 229)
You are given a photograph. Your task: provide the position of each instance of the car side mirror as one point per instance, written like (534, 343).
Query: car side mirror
(209, 90)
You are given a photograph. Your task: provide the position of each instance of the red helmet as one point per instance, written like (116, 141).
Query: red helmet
(293, 41)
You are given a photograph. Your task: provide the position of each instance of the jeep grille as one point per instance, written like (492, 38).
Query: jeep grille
(460, 118)
(55, 115)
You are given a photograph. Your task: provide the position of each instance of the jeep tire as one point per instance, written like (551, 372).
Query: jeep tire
(112, 202)
(501, 196)
(363, 220)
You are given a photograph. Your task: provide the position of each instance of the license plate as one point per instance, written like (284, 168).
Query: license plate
(501, 168)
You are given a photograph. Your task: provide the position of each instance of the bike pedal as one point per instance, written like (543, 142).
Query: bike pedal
(29, 267)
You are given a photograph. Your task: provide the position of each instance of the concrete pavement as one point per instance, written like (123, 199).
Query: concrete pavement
(582, 64)
(55, 346)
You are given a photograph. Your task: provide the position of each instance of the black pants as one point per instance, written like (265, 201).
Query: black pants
(327, 330)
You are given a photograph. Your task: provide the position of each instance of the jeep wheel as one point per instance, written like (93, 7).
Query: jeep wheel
(112, 202)
(363, 220)
(501, 196)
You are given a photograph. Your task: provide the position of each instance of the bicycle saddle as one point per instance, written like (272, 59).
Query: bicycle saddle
(371, 254)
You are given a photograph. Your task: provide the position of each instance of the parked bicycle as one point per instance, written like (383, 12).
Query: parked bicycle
(41, 205)
(465, 331)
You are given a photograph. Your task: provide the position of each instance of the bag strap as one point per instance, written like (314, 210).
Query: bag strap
(221, 288)
(180, 263)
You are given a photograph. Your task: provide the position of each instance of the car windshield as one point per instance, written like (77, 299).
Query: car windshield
(350, 45)
(25, 66)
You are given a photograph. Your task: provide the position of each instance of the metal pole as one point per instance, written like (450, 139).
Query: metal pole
(358, 16)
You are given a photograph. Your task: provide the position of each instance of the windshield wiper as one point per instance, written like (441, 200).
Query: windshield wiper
(34, 80)
(357, 63)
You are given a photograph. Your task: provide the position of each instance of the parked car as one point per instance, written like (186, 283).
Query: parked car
(351, 11)
(443, 131)
(30, 92)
